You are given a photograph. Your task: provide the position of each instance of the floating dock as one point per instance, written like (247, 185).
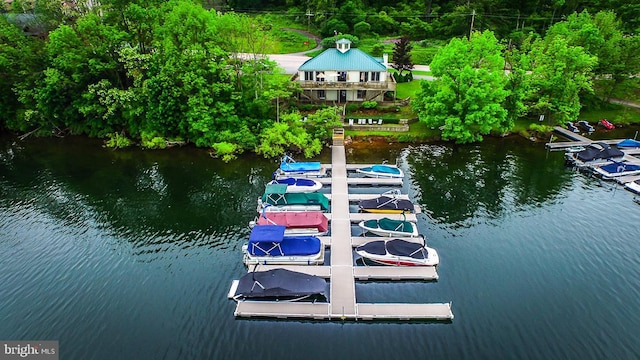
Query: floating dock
(342, 272)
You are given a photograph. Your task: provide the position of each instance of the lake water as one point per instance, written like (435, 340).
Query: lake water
(130, 254)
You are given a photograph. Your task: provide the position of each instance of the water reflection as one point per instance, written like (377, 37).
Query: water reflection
(146, 197)
(457, 183)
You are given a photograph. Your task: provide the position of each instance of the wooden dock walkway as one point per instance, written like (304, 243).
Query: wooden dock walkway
(343, 272)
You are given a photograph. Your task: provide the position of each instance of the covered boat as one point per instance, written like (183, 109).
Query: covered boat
(595, 154)
(388, 203)
(298, 185)
(313, 223)
(398, 252)
(586, 126)
(269, 245)
(276, 198)
(381, 171)
(615, 169)
(572, 127)
(629, 143)
(291, 168)
(278, 284)
(390, 228)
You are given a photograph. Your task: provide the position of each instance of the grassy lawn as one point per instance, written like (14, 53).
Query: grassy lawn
(291, 42)
(408, 89)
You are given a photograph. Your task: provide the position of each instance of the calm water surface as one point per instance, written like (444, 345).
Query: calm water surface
(130, 254)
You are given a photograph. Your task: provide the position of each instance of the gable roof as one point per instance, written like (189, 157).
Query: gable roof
(351, 60)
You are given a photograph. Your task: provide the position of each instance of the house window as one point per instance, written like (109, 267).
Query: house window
(361, 94)
(320, 76)
(308, 75)
(375, 76)
(342, 76)
(321, 95)
(364, 76)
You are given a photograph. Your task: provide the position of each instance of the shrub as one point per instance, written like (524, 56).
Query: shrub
(369, 104)
(150, 141)
(117, 141)
(225, 150)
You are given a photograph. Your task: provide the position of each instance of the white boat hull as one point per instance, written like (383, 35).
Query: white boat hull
(633, 186)
(432, 259)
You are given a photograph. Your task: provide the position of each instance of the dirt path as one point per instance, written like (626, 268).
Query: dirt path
(624, 102)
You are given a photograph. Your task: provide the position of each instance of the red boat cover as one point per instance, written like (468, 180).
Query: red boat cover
(296, 219)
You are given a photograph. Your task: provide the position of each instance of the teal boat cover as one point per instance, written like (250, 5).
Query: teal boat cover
(297, 199)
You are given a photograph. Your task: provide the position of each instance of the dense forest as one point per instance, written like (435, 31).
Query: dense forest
(168, 72)
(442, 19)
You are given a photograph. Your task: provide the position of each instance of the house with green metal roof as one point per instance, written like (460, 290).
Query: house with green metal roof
(344, 74)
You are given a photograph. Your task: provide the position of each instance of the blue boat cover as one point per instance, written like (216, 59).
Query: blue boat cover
(619, 167)
(296, 181)
(629, 143)
(270, 233)
(288, 246)
(384, 169)
(289, 165)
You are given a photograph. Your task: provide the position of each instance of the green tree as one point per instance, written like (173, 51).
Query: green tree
(559, 73)
(466, 98)
(20, 60)
(287, 135)
(402, 59)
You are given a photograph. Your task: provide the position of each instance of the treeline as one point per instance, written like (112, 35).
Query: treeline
(157, 73)
(441, 19)
(483, 85)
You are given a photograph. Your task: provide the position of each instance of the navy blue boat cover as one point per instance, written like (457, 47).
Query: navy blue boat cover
(619, 167)
(405, 248)
(269, 240)
(280, 283)
(598, 150)
(395, 247)
(387, 203)
(296, 181)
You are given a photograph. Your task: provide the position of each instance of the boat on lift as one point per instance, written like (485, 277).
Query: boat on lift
(398, 252)
(269, 245)
(388, 202)
(278, 285)
(390, 228)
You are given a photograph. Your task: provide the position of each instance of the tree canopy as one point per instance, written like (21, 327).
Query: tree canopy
(465, 99)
